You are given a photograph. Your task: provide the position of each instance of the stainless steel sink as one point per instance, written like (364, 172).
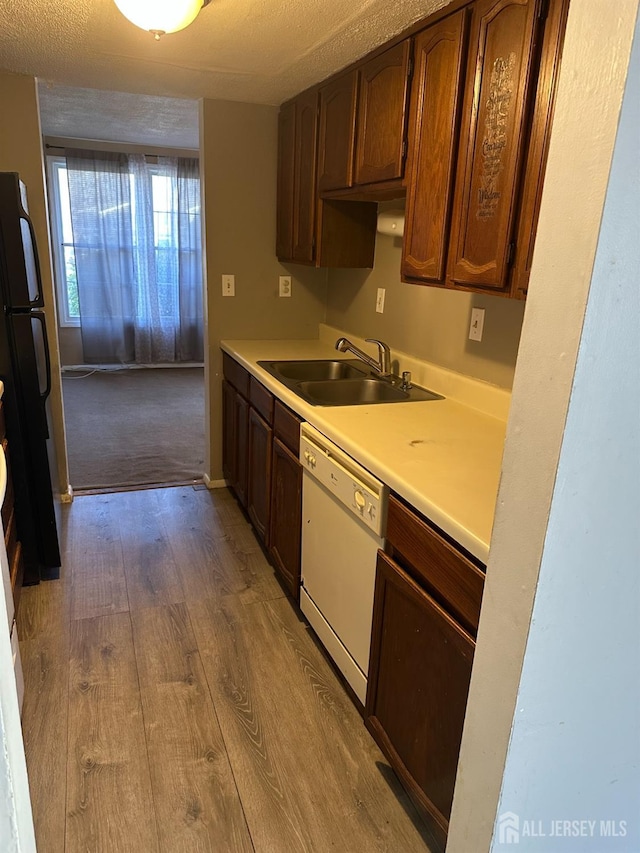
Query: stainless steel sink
(361, 392)
(315, 369)
(352, 392)
(342, 382)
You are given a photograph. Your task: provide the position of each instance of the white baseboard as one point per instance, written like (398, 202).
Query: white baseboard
(67, 497)
(214, 484)
(109, 368)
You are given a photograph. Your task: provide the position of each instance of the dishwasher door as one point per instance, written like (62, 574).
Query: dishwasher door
(339, 554)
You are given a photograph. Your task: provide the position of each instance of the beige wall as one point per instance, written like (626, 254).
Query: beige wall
(238, 156)
(427, 322)
(21, 151)
(591, 83)
(70, 340)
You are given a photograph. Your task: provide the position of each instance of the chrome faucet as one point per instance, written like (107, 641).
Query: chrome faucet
(381, 366)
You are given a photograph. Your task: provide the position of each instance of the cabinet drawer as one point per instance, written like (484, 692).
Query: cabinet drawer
(261, 400)
(235, 374)
(448, 575)
(287, 427)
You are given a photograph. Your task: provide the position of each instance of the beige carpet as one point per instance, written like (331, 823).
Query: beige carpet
(134, 427)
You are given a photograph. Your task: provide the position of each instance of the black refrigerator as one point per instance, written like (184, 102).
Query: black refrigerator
(25, 370)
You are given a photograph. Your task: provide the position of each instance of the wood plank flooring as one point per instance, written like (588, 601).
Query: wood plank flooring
(177, 701)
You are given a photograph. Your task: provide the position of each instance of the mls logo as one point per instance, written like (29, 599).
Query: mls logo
(509, 828)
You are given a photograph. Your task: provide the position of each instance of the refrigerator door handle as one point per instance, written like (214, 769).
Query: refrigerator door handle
(42, 319)
(38, 301)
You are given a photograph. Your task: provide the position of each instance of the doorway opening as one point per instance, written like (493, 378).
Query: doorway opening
(128, 266)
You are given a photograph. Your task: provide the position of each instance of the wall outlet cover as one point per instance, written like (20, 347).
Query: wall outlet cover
(285, 285)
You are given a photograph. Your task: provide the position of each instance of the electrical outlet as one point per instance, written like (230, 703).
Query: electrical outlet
(380, 300)
(228, 285)
(285, 285)
(477, 324)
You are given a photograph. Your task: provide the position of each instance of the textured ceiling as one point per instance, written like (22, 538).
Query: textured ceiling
(118, 117)
(103, 78)
(260, 51)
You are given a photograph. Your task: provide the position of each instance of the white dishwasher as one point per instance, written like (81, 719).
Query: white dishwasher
(343, 522)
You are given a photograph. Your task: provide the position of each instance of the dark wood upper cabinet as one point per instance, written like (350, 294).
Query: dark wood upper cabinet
(500, 75)
(337, 132)
(304, 192)
(286, 172)
(436, 96)
(539, 137)
(382, 112)
(310, 230)
(474, 132)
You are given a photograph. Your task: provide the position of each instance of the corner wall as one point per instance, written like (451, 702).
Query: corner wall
(591, 84)
(238, 164)
(429, 323)
(575, 744)
(21, 151)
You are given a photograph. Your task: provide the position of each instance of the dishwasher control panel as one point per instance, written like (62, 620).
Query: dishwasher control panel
(350, 483)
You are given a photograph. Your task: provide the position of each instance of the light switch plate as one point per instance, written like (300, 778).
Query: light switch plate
(477, 324)
(380, 300)
(228, 285)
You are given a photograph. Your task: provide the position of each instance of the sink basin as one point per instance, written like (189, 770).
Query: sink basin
(352, 392)
(314, 370)
(341, 382)
(361, 392)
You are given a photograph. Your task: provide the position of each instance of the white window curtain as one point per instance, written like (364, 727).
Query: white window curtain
(136, 234)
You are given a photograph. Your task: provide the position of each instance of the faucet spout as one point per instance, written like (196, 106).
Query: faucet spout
(382, 365)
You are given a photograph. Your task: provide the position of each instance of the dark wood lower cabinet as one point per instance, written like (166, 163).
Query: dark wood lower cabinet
(235, 419)
(260, 443)
(286, 516)
(259, 476)
(418, 684)
(228, 432)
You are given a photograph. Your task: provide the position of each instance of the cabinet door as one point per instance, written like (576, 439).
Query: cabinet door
(501, 69)
(242, 447)
(228, 432)
(259, 480)
(337, 132)
(286, 516)
(304, 196)
(286, 171)
(538, 146)
(436, 96)
(382, 109)
(418, 685)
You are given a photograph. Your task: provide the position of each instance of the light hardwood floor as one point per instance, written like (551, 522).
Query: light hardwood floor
(175, 699)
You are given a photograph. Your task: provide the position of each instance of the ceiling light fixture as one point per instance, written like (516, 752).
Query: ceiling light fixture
(161, 16)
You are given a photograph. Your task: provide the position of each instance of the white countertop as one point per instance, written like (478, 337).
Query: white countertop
(443, 457)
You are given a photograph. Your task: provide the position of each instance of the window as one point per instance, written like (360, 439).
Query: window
(63, 249)
(166, 224)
